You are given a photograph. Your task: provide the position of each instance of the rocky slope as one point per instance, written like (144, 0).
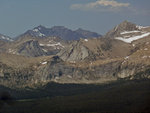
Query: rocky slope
(30, 72)
(29, 48)
(33, 46)
(2, 46)
(93, 49)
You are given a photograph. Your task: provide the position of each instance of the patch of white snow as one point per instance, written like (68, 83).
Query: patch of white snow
(127, 57)
(142, 27)
(44, 50)
(3, 37)
(44, 63)
(86, 40)
(123, 62)
(41, 44)
(127, 32)
(129, 40)
(35, 30)
(52, 45)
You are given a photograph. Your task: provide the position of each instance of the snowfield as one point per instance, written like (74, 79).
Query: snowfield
(142, 27)
(127, 32)
(130, 39)
(55, 44)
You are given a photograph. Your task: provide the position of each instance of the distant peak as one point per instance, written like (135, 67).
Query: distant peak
(40, 27)
(125, 23)
(79, 29)
(124, 26)
(58, 27)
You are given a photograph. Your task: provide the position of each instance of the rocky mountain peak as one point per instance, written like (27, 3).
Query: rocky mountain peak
(128, 32)
(87, 33)
(124, 26)
(41, 27)
(127, 26)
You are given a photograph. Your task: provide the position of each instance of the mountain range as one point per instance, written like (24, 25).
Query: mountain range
(42, 55)
(61, 32)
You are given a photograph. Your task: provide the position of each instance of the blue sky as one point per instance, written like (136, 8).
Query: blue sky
(17, 16)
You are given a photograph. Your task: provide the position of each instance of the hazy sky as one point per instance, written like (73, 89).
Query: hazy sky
(17, 16)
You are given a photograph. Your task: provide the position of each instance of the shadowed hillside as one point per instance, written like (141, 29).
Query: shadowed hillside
(127, 96)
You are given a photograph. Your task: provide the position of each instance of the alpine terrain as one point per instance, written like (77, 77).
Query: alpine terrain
(55, 62)
(123, 53)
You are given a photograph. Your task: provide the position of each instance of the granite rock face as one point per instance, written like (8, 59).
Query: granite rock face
(74, 52)
(30, 48)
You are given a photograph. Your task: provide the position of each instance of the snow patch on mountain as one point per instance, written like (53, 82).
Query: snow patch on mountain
(86, 40)
(130, 39)
(44, 50)
(128, 32)
(57, 44)
(127, 57)
(5, 38)
(35, 30)
(43, 63)
(142, 27)
(54, 45)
